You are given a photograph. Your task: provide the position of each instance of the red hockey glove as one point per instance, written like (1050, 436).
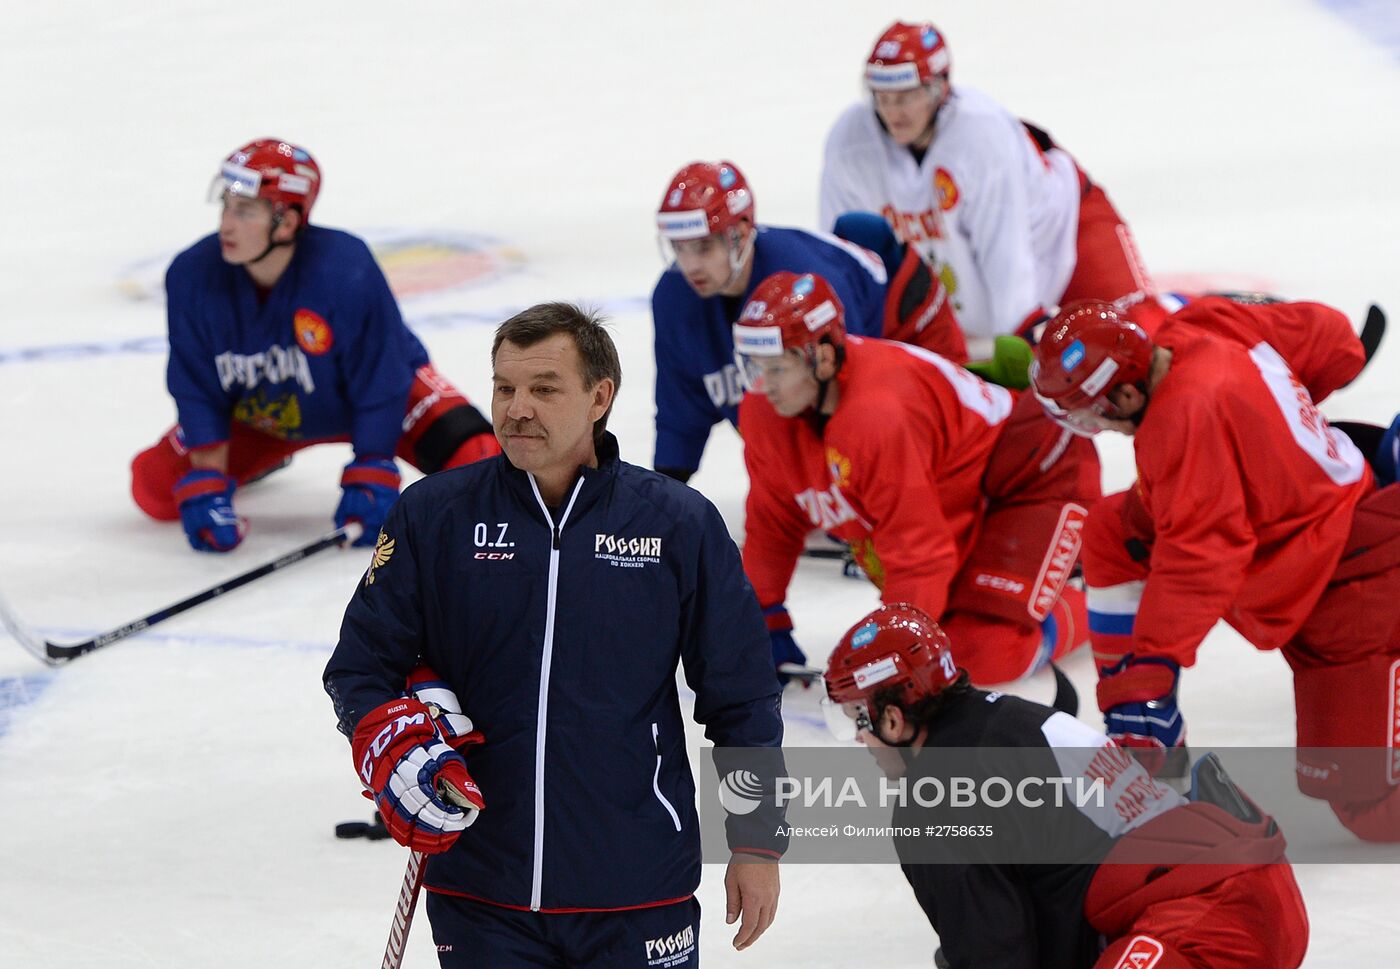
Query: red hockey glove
(1138, 698)
(413, 777)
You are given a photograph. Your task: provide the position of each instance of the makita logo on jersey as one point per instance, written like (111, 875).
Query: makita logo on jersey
(673, 950)
(626, 552)
(1059, 561)
(273, 365)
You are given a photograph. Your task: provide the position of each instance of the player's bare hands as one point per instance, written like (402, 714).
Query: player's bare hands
(751, 891)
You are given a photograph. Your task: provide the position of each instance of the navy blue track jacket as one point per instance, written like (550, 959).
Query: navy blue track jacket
(560, 631)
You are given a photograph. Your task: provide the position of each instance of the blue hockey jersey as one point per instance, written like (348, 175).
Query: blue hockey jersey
(326, 355)
(560, 630)
(697, 381)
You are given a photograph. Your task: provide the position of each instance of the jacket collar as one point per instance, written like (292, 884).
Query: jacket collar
(595, 480)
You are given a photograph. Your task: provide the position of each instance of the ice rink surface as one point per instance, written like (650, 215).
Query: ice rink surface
(170, 802)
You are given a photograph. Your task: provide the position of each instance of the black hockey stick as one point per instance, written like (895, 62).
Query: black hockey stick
(826, 553)
(1372, 331)
(56, 653)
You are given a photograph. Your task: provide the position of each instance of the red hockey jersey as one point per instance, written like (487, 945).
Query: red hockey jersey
(897, 473)
(1250, 492)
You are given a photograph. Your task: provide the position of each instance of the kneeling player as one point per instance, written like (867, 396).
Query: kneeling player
(1250, 508)
(953, 493)
(283, 335)
(719, 254)
(1157, 881)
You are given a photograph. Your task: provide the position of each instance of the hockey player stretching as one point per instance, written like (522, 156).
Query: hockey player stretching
(1010, 219)
(719, 254)
(1250, 508)
(282, 335)
(1140, 878)
(953, 493)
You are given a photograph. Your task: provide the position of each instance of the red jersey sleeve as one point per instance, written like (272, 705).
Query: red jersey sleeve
(1204, 542)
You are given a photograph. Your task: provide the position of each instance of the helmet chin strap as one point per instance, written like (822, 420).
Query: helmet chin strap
(737, 257)
(819, 419)
(1141, 385)
(276, 221)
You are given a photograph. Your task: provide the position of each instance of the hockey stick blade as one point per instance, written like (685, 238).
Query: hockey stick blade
(71, 651)
(1372, 331)
(807, 674)
(1066, 696)
(22, 635)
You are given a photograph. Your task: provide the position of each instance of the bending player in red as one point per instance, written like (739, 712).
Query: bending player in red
(1250, 508)
(284, 334)
(1140, 878)
(953, 493)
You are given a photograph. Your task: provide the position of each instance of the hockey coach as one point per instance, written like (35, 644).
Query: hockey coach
(553, 591)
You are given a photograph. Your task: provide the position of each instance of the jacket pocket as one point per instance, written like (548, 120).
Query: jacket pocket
(656, 780)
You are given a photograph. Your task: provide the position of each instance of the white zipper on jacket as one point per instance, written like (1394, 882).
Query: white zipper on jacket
(537, 877)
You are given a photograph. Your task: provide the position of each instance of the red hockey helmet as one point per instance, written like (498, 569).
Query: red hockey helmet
(790, 312)
(907, 56)
(281, 173)
(704, 198)
(898, 646)
(1087, 350)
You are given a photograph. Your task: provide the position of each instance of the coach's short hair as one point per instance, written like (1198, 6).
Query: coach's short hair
(596, 350)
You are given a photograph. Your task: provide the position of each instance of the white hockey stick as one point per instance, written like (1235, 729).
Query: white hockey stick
(403, 913)
(21, 633)
(413, 882)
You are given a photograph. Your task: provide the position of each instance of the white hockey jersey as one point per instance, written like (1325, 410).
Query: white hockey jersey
(998, 216)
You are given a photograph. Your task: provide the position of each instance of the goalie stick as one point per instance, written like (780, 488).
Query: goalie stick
(54, 653)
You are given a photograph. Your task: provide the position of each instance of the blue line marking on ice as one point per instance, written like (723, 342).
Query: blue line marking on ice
(1377, 20)
(17, 692)
(452, 320)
